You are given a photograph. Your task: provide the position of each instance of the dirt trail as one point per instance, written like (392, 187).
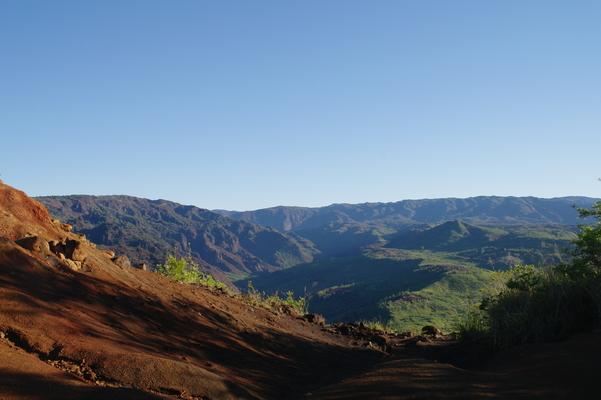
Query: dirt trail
(562, 370)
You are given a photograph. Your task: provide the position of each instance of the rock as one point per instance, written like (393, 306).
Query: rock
(143, 266)
(381, 341)
(74, 250)
(74, 265)
(288, 310)
(430, 330)
(57, 247)
(315, 319)
(122, 261)
(34, 243)
(110, 253)
(67, 227)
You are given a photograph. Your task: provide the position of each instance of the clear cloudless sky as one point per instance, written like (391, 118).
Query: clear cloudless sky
(249, 104)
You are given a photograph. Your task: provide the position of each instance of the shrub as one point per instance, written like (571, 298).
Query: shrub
(274, 301)
(551, 309)
(187, 271)
(474, 326)
(545, 304)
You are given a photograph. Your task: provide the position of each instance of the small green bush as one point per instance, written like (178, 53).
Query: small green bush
(474, 326)
(274, 301)
(187, 271)
(551, 309)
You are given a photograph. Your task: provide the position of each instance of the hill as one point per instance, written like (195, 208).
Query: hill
(491, 247)
(77, 323)
(148, 230)
(338, 229)
(478, 210)
(404, 290)
(450, 235)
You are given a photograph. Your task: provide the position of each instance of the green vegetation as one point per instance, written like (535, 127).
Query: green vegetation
(491, 247)
(539, 305)
(274, 301)
(378, 326)
(185, 270)
(444, 302)
(403, 265)
(403, 290)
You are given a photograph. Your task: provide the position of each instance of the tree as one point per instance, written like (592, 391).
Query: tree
(587, 255)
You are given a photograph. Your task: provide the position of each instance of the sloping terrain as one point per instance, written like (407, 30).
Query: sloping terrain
(402, 289)
(492, 247)
(148, 230)
(482, 209)
(360, 262)
(566, 370)
(77, 323)
(340, 229)
(448, 236)
(66, 304)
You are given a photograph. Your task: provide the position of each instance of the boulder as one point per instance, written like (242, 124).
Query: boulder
(67, 227)
(143, 266)
(122, 261)
(315, 319)
(73, 265)
(35, 244)
(57, 247)
(74, 250)
(430, 330)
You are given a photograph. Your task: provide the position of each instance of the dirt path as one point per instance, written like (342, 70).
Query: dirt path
(565, 370)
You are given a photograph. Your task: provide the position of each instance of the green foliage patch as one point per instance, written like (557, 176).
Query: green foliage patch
(275, 301)
(185, 270)
(538, 305)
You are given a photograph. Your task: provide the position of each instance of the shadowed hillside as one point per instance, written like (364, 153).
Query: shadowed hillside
(404, 290)
(340, 229)
(77, 323)
(482, 210)
(147, 230)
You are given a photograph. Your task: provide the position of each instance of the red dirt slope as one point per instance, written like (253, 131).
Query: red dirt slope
(112, 326)
(76, 322)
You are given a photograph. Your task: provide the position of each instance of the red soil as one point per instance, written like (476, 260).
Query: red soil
(110, 332)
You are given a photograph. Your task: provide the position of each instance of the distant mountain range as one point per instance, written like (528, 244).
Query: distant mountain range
(239, 243)
(407, 263)
(479, 210)
(148, 230)
(339, 229)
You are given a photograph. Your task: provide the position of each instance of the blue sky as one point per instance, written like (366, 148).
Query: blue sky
(249, 104)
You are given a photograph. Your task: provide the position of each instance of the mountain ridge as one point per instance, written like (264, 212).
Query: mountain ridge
(147, 230)
(299, 218)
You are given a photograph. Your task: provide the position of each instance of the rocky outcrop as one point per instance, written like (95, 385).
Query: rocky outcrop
(122, 261)
(35, 244)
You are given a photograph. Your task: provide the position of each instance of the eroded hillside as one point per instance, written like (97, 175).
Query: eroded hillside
(148, 230)
(78, 322)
